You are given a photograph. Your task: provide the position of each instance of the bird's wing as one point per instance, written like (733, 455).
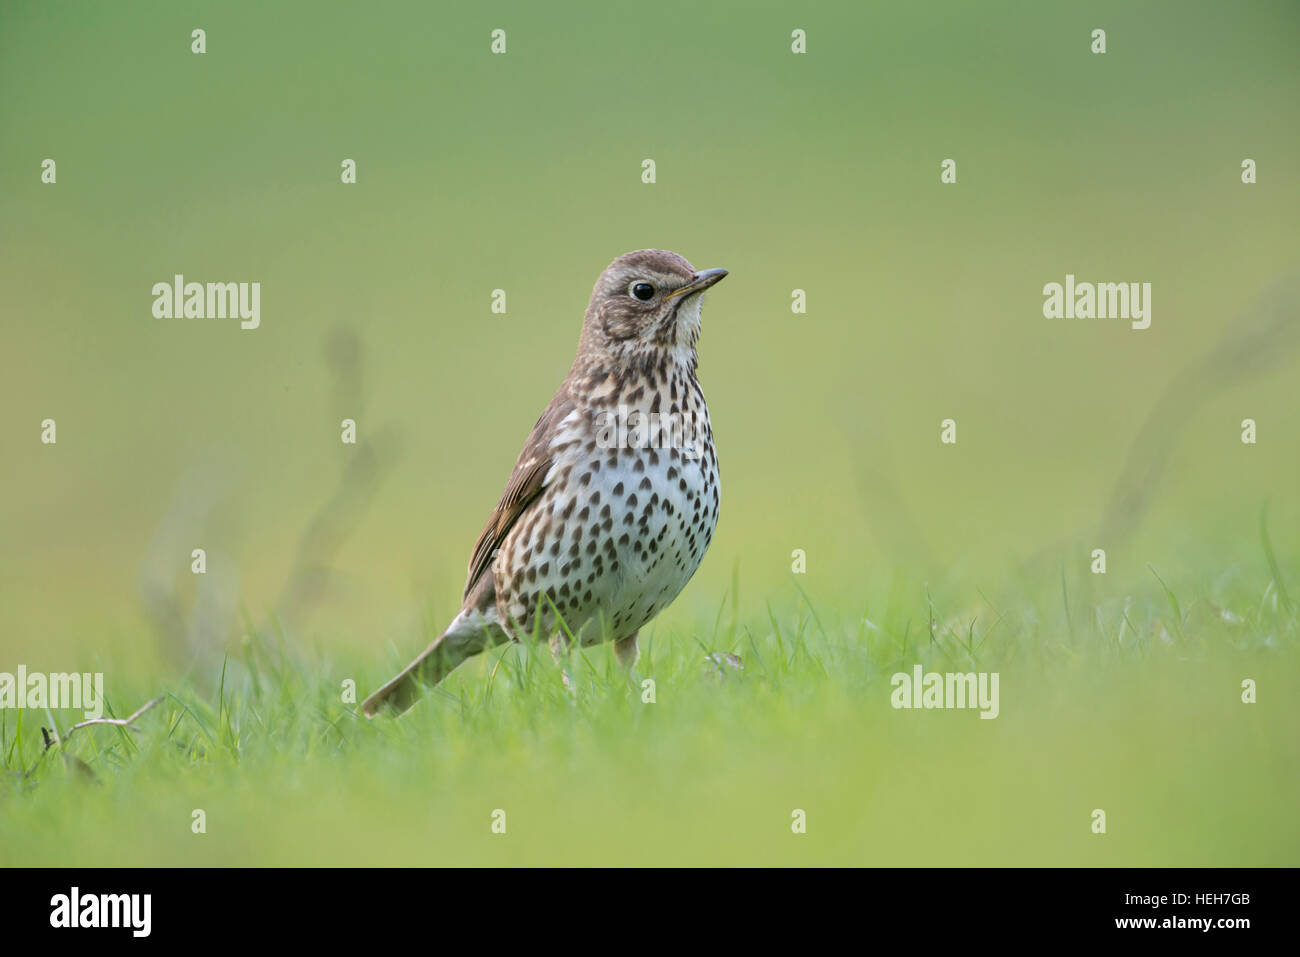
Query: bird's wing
(527, 482)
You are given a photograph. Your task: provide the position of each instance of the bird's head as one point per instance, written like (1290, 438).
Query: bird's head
(645, 310)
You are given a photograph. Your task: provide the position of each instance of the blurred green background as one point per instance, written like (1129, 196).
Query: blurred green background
(522, 172)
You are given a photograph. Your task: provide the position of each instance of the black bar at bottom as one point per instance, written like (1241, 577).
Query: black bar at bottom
(338, 907)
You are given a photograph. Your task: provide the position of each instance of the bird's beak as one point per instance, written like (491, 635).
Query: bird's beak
(702, 281)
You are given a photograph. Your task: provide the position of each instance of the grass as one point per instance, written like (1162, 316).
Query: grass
(1129, 701)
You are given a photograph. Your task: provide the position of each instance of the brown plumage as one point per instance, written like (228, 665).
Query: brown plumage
(600, 525)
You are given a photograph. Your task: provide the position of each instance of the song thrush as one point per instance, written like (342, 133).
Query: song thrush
(608, 511)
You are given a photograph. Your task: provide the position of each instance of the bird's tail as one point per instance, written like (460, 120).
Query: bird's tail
(466, 636)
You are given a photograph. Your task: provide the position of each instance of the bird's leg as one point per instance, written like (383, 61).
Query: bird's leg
(560, 653)
(627, 653)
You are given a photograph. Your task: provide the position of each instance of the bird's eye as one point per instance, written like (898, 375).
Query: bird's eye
(642, 290)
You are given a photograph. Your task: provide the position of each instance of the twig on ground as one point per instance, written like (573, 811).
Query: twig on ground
(119, 722)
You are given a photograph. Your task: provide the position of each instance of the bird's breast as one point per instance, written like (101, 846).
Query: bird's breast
(629, 511)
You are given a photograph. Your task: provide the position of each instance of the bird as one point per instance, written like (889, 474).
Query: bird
(614, 499)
